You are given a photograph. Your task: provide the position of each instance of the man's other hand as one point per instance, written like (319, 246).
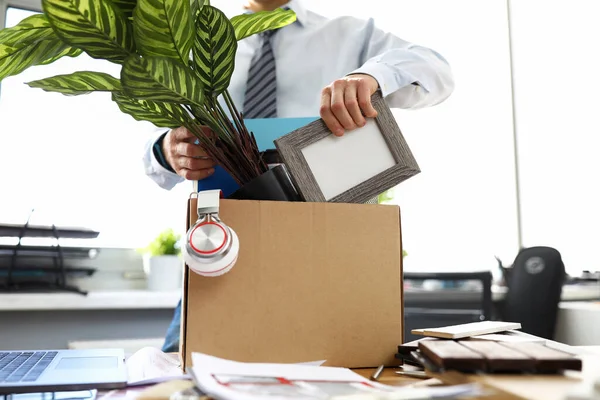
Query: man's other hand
(346, 102)
(188, 159)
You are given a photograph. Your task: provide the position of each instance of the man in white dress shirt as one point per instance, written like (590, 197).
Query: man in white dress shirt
(323, 67)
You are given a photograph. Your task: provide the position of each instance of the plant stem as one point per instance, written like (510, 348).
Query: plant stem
(259, 165)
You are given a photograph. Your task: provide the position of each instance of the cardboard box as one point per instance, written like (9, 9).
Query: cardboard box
(313, 281)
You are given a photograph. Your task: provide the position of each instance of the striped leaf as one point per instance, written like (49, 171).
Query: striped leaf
(96, 26)
(196, 6)
(164, 28)
(160, 79)
(14, 60)
(250, 24)
(81, 82)
(214, 50)
(127, 6)
(28, 31)
(163, 115)
(31, 42)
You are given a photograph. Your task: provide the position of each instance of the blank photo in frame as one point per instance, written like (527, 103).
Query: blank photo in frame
(353, 168)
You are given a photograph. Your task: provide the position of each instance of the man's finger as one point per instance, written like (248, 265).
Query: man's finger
(338, 106)
(194, 164)
(196, 175)
(205, 130)
(364, 100)
(330, 120)
(180, 134)
(351, 101)
(187, 149)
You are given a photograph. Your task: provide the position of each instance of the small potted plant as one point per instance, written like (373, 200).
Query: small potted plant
(162, 262)
(176, 58)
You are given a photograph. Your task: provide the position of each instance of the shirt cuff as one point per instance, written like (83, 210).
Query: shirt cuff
(388, 78)
(165, 177)
(158, 153)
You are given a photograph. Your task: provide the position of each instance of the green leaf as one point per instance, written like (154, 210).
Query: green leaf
(250, 24)
(164, 28)
(14, 60)
(166, 243)
(31, 42)
(28, 31)
(388, 195)
(160, 79)
(97, 27)
(81, 82)
(127, 6)
(163, 115)
(214, 50)
(196, 6)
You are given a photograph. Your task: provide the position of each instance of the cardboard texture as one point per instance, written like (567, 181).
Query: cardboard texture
(313, 281)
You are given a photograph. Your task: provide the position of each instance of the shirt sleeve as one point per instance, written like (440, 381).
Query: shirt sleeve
(161, 173)
(409, 75)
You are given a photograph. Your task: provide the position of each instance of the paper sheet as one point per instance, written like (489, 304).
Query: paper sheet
(150, 366)
(226, 379)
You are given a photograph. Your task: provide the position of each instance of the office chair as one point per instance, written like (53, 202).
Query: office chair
(447, 307)
(534, 284)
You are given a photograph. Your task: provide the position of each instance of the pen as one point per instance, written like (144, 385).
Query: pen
(377, 373)
(413, 374)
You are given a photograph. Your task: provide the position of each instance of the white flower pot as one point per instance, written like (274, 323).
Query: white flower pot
(163, 273)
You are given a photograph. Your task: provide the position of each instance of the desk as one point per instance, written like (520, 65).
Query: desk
(578, 323)
(532, 387)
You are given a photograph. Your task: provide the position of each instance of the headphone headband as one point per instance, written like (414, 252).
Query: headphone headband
(208, 202)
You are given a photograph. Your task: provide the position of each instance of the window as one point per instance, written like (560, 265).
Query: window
(460, 211)
(78, 160)
(557, 84)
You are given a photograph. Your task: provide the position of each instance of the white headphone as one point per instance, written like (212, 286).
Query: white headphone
(211, 248)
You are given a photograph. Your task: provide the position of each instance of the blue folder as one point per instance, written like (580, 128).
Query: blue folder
(265, 130)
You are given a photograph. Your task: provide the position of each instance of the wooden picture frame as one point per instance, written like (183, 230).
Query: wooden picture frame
(400, 164)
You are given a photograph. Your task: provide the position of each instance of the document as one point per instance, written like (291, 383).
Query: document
(149, 365)
(228, 380)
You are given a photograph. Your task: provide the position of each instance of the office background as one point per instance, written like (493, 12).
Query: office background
(509, 160)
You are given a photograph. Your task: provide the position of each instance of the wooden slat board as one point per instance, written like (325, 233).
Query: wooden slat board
(449, 354)
(547, 359)
(488, 356)
(500, 358)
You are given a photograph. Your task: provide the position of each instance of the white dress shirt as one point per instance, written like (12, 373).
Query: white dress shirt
(314, 51)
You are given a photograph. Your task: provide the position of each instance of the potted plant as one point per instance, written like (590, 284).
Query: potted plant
(162, 263)
(176, 58)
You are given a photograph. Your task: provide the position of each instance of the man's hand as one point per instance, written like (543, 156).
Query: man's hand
(188, 160)
(346, 102)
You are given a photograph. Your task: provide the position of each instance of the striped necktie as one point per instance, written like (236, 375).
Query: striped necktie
(261, 88)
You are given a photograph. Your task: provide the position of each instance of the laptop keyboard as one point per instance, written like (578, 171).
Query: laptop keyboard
(24, 366)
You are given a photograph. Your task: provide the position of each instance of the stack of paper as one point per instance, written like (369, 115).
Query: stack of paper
(225, 380)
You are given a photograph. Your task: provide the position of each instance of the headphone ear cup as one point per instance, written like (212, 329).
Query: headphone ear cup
(217, 265)
(225, 264)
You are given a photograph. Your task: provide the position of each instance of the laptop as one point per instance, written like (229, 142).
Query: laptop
(28, 371)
